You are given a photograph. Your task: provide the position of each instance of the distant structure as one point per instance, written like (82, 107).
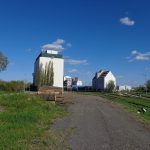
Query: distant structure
(49, 69)
(72, 82)
(67, 81)
(76, 82)
(101, 80)
(124, 88)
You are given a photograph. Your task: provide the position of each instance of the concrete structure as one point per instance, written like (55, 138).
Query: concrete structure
(101, 80)
(67, 81)
(124, 88)
(76, 82)
(58, 66)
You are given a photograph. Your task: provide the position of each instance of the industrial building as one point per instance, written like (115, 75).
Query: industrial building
(49, 69)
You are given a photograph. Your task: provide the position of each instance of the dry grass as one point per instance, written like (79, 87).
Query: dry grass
(69, 97)
(52, 140)
(1, 109)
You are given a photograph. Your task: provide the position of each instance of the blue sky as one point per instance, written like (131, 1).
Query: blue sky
(91, 34)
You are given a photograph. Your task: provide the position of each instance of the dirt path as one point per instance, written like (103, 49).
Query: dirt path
(97, 124)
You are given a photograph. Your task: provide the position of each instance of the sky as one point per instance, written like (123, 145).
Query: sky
(91, 34)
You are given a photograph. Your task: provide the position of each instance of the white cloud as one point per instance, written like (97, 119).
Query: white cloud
(135, 55)
(69, 45)
(59, 41)
(134, 52)
(127, 21)
(120, 76)
(142, 57)
(73, 71)
(29, 50)
(76, 62)
(57, 45)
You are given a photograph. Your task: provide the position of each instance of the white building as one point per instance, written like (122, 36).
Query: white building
(67, 81)
(124, 88)
(101, 80)
(57, 61)
(76, 82)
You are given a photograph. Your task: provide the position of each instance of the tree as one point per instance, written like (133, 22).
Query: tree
(140, 89)
(110, 86)
(148, 85)
(39, 76)
(45, 76)
(51, 74)
(3, 62)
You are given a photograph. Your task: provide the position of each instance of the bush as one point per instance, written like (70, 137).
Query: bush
(148, 85)
(12, 86)
(110, 86)
(140, 89)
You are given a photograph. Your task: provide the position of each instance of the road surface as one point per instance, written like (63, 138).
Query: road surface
(98, 124)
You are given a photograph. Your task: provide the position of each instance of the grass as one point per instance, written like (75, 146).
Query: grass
(129, 103)
(25, 120)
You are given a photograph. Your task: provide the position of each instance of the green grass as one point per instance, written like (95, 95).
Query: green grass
(24, 119)
(129, 103)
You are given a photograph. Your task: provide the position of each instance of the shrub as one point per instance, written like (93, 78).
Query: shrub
(140, 89)
(148, 85)
(110, 86)
(12, 86)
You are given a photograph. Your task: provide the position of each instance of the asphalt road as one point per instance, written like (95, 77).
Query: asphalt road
(98, 124)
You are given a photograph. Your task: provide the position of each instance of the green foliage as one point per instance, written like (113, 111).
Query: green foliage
(110, 86)
(148, 85)
(39, 76)
(24, 120)
(3, 62)
(140, 89)
(12, 86)
(51, 74)
(45, 75)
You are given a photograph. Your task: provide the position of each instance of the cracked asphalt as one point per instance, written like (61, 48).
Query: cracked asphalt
(101, 125)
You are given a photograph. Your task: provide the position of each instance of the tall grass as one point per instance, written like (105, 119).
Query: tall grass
(24, 118)
(12, 86)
